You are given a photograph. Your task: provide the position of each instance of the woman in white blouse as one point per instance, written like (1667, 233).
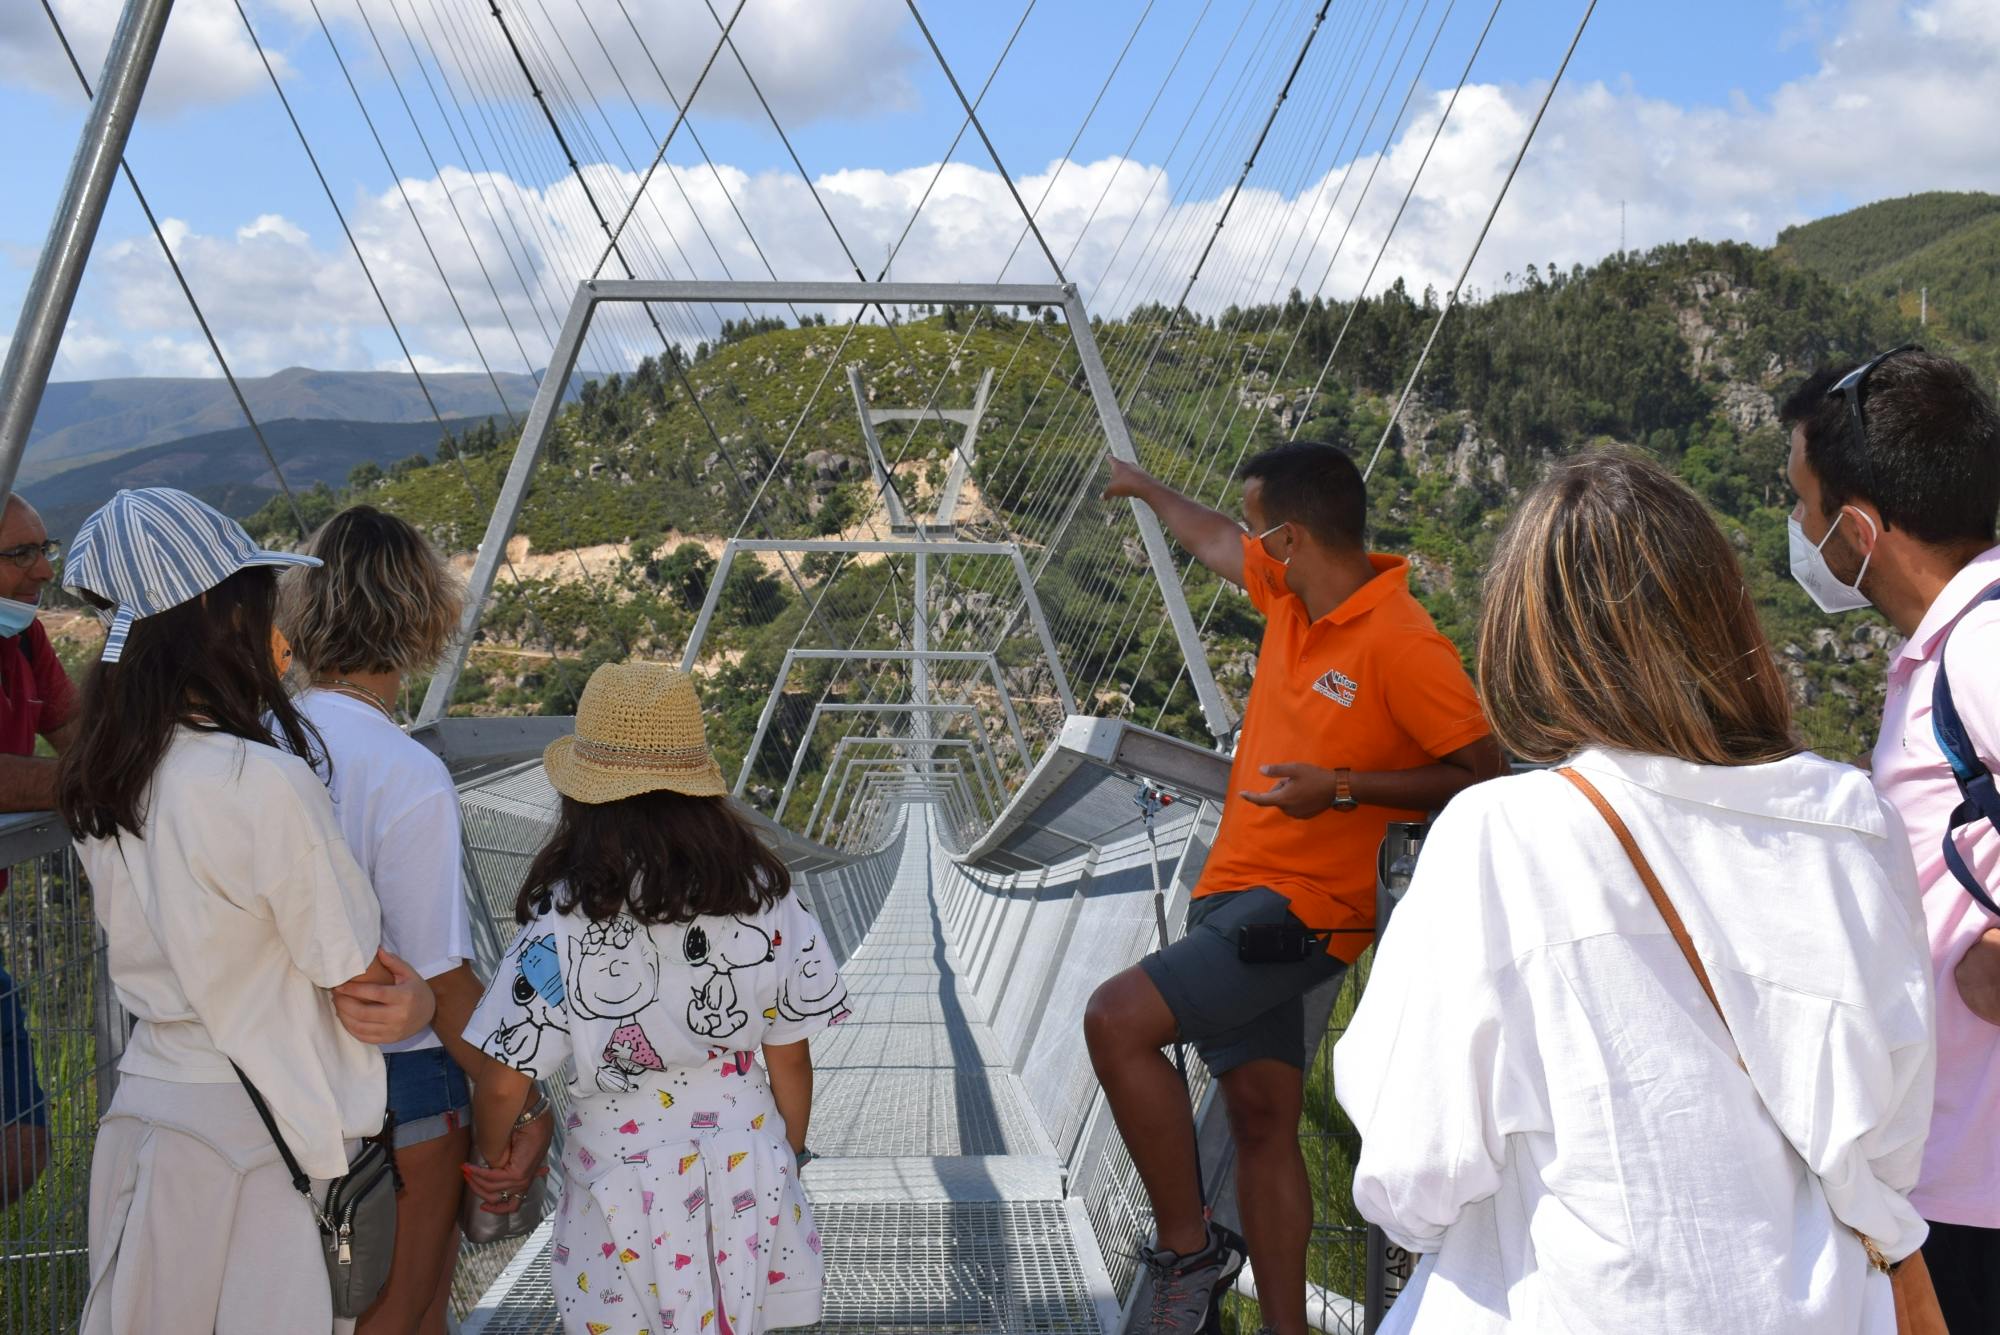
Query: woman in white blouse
(242, 937)
(1552, 1111)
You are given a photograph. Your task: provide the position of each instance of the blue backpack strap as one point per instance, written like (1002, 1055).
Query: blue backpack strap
(1979, 798)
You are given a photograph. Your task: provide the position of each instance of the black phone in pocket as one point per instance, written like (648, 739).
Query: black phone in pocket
(1277, 943)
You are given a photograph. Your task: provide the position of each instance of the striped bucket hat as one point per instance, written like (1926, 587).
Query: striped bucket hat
(150, 549)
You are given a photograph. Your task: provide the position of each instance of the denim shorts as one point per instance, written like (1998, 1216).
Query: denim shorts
(428, 1094)
(1233, 1012)
(21, 1099)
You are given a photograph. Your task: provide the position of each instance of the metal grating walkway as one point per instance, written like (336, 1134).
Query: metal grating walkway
(941, 1199)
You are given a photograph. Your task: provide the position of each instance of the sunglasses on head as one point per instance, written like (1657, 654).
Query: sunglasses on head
(1852, 385)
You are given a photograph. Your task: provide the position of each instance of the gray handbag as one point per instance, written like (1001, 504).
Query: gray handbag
(482, 1225)
(357, 1219)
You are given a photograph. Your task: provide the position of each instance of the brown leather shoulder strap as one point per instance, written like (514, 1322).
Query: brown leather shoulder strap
(1675, 927)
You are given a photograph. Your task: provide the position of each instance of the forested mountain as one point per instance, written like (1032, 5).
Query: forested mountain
(1892, 252)
(1681, 352)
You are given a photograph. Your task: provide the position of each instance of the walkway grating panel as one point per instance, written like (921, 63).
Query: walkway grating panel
(875, 1111)
(969, 1268)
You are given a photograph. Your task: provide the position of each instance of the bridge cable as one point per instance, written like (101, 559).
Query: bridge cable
(1451, 298)
(298, 515)
(396, 330)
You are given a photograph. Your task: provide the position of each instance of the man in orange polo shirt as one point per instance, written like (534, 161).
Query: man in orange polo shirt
(1360, 714)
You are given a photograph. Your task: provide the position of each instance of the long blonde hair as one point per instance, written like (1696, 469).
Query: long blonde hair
(1616, 615)
(384, 601)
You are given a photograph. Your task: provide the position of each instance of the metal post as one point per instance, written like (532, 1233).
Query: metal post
(52, 291)
(920, 640)
(763, 719)
(1220, 721)
(708, 603)
(965, 456)
(878, 464)
(1033, 603)
(507, 508)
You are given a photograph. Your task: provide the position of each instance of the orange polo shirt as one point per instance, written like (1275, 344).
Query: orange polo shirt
(1370, 686)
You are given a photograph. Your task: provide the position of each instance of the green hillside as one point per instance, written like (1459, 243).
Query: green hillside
(1893, 251)
(1848, 247)
(1681, 352)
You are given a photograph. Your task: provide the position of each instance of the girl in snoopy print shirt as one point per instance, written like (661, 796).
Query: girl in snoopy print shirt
(660, 949)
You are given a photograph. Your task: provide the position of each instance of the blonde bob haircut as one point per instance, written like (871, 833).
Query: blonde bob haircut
(1616, 616)
(384, 601)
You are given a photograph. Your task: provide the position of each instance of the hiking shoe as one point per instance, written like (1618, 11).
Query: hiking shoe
(1187, 1290)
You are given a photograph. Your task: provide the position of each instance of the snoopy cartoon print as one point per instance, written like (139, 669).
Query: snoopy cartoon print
(615, 975)
(721, 946)
(812, 987)
(537, 995)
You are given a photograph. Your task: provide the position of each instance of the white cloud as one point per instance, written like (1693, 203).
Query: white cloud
(813, 59)
(1896, 106)
(205, 56)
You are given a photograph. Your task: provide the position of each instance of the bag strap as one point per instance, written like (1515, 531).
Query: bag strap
(1978, 796)
(1675, 927)
(300, 1182)
(1678, 930)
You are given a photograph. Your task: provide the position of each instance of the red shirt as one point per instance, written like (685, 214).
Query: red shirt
(35, 693)
(1370, 686)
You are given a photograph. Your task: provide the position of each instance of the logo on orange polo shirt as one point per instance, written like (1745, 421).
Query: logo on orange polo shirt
(1338, 687)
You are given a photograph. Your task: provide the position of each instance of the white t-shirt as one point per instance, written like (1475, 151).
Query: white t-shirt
(630, 1005)
(226, 924)
(397, 806)
(1552, 1113)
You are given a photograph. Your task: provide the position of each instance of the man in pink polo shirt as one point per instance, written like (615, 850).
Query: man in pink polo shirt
(1897, 467)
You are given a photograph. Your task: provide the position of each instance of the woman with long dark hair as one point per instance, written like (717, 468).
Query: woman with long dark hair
(244, 941)
(661, 950)
(1647, 1045)
(379, 607)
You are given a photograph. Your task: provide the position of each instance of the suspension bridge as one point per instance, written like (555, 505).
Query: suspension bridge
(984, 676)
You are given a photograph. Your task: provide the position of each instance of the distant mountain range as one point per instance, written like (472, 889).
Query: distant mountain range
(228, 470)
(84, 421)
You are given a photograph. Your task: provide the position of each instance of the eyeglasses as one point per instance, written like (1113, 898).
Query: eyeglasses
(28, 553)
(1852, 385)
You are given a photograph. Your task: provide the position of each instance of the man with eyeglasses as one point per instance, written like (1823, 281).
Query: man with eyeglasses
(36, 699)
(1360, 714)
(1896, 463)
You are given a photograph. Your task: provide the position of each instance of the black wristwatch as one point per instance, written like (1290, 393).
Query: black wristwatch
(1343, 792)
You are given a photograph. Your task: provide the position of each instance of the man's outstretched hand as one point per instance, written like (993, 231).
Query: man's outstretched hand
(1126, 480)
(1302, 791)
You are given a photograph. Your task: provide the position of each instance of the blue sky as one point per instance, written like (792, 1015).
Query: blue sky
(1707, 118)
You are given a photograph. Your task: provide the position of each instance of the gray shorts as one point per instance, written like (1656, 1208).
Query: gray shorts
(1230, 1011)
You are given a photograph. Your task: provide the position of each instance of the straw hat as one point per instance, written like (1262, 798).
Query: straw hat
(638, 730)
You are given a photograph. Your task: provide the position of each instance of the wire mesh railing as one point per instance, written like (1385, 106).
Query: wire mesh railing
(61, 1031)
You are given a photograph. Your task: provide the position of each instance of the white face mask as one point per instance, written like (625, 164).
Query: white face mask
(1810, 569)
(1267, 533)
(15, 616)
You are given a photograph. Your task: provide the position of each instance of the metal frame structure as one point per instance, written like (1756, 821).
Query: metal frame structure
(824, 708)
(950, 776)
(848, 744)
(794, 656)
(886, 547)
(943, 521)
(562, 364)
